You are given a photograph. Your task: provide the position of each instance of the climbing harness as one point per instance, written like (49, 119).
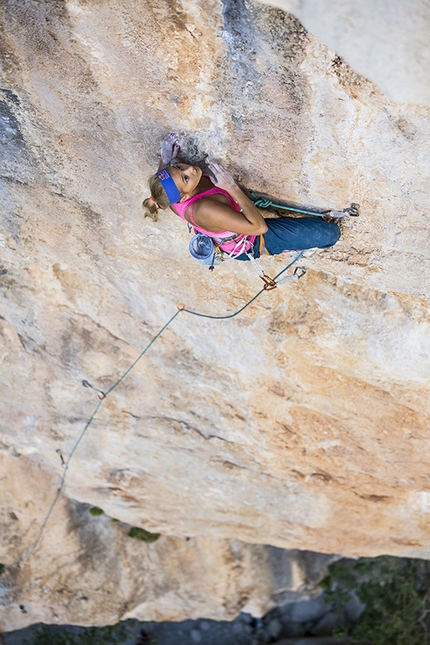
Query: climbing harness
(207, 250)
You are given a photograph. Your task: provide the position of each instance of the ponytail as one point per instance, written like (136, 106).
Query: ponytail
(150, 208)
(158, 199)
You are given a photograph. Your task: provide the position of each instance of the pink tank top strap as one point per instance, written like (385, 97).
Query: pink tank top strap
(245, 241)
(181, 207)
(190, 215)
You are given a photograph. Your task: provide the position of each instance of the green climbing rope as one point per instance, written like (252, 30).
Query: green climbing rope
(262, 202)
(236, 313)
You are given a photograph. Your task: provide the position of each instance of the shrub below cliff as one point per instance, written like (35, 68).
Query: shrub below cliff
(396, 592)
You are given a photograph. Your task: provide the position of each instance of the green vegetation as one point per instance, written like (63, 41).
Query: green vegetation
(2, 568)
(142, 535)
(134, 532)
(396, 592)
(95, 511)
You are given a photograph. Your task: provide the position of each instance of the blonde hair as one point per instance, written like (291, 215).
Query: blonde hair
(158, 199)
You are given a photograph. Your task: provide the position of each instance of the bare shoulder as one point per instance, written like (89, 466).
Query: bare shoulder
(215, 213)
(210, 203)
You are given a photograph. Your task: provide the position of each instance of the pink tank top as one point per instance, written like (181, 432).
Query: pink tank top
(240, 242)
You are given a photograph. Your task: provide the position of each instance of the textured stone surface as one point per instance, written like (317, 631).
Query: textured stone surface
(90, 571)
(302, 423)
(385, 41)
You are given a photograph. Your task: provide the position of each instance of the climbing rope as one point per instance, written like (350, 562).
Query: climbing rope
(298, 273)
(265, 288)
(262, 202)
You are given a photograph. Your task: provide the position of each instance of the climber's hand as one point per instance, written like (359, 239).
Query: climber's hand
(169, 148)
(222, 177)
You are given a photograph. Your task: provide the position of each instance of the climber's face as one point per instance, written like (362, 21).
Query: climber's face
(186, 178)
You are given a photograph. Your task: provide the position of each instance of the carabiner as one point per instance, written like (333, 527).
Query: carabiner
(299, 272)
(269, 282)
(99, 393)
(354, 210)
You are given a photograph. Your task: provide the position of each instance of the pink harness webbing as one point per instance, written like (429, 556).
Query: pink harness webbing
(240, 242)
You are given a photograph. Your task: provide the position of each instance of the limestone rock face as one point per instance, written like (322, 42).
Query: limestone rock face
(385, 41)
(90, 571)
(303, 422)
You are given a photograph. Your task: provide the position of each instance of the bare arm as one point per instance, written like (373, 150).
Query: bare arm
(215, 216)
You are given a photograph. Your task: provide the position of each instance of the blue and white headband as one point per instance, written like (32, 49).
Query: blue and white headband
(169, 185)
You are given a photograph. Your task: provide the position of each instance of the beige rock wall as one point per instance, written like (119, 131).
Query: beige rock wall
(302, 423)
(90, 571)
(386, 41)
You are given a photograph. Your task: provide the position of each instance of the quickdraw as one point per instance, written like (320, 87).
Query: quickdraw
(100, 394)
(270, 283)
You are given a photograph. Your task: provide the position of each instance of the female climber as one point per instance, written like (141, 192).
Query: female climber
(217, 207)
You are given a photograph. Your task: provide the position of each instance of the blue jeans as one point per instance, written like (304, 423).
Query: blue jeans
(295, 234)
